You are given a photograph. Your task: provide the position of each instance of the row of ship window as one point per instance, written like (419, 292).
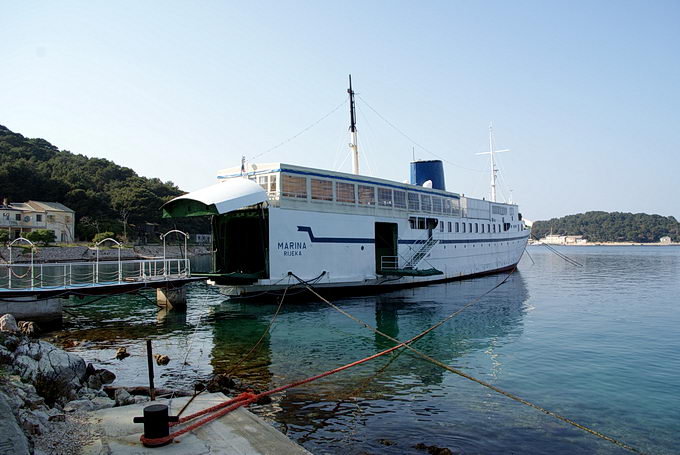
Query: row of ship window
(457, 226)
(295, 187)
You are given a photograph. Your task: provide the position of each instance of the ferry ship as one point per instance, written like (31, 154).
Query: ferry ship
(273, 223)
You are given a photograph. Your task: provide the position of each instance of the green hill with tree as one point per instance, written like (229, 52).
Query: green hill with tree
(104, 195)
(611, 227)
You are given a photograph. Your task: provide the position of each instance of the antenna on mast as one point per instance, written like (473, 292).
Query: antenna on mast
(494, 169)
(353, 130)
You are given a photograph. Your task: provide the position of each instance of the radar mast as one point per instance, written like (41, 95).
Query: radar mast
(353, 130)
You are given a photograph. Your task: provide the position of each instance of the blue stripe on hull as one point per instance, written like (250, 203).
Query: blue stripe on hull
(315, 239)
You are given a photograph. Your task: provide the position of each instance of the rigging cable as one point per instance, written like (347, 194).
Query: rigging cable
(266, 331)
(310, 126)
(559, 254)
(414, 142)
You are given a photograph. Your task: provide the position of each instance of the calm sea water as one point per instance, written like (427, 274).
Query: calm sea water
(599, 344)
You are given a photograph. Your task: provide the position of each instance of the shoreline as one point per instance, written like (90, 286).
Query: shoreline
(606, 244)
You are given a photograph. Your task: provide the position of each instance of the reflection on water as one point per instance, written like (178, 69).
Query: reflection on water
(551, 333)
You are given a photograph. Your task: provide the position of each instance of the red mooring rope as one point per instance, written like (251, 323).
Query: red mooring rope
(247, 398)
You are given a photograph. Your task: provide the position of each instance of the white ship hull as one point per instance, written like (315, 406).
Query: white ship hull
(337, 250)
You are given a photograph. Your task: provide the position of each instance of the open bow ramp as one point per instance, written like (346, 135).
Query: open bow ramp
(217, 199)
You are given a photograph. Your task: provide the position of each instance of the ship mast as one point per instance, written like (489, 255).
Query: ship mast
(494, 169)
(353, 130)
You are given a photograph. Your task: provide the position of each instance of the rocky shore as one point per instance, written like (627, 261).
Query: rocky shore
(86, 253)
(45, 394)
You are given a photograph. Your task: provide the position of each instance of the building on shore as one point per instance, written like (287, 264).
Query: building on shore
(554, 239)
(20, 218)
(666, 240)
(203, 239)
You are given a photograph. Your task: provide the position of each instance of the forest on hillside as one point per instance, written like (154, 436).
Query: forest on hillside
(104, 195)
(611, 227)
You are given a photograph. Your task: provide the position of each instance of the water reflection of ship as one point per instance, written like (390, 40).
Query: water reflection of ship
(236, 329)
(495, 319)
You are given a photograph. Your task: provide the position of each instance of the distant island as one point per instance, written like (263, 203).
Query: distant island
(610, 227)
(104, 195)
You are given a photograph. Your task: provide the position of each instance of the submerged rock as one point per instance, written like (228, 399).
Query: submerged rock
(221, 383)
(161, 359)
(68, 344)
(121, 353)
(386, 442)
(434, 450)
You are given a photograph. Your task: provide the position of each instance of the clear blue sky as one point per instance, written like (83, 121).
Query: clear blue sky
(585, 94)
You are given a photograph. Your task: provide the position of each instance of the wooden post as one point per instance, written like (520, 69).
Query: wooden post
(149, 358)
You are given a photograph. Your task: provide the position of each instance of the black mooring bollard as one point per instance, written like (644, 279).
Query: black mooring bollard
(156, 423)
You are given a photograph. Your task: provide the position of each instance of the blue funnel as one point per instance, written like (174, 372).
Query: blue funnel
(422, 171)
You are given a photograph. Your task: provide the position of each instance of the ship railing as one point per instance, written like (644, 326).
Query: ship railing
(420, 253)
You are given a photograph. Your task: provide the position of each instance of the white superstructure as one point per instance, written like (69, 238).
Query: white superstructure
(345, 230)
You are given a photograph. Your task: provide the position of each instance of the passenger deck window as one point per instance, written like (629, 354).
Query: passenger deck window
(366, 195)
(322, 190)
(344, 192)
(385, 197)
(263, 180)
(425, 203)
(413, 202)
(399, 199)
(294, 186)
(447, 206)
(436, 204)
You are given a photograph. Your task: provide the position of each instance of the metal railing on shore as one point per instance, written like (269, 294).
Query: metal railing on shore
(42, 276)
(84, 274)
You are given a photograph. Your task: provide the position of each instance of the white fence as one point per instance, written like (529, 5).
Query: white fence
(81, 274)
(99, 273)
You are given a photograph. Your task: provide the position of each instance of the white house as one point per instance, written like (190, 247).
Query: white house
(20, 218)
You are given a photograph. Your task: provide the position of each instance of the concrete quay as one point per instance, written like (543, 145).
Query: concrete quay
(240, 432)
